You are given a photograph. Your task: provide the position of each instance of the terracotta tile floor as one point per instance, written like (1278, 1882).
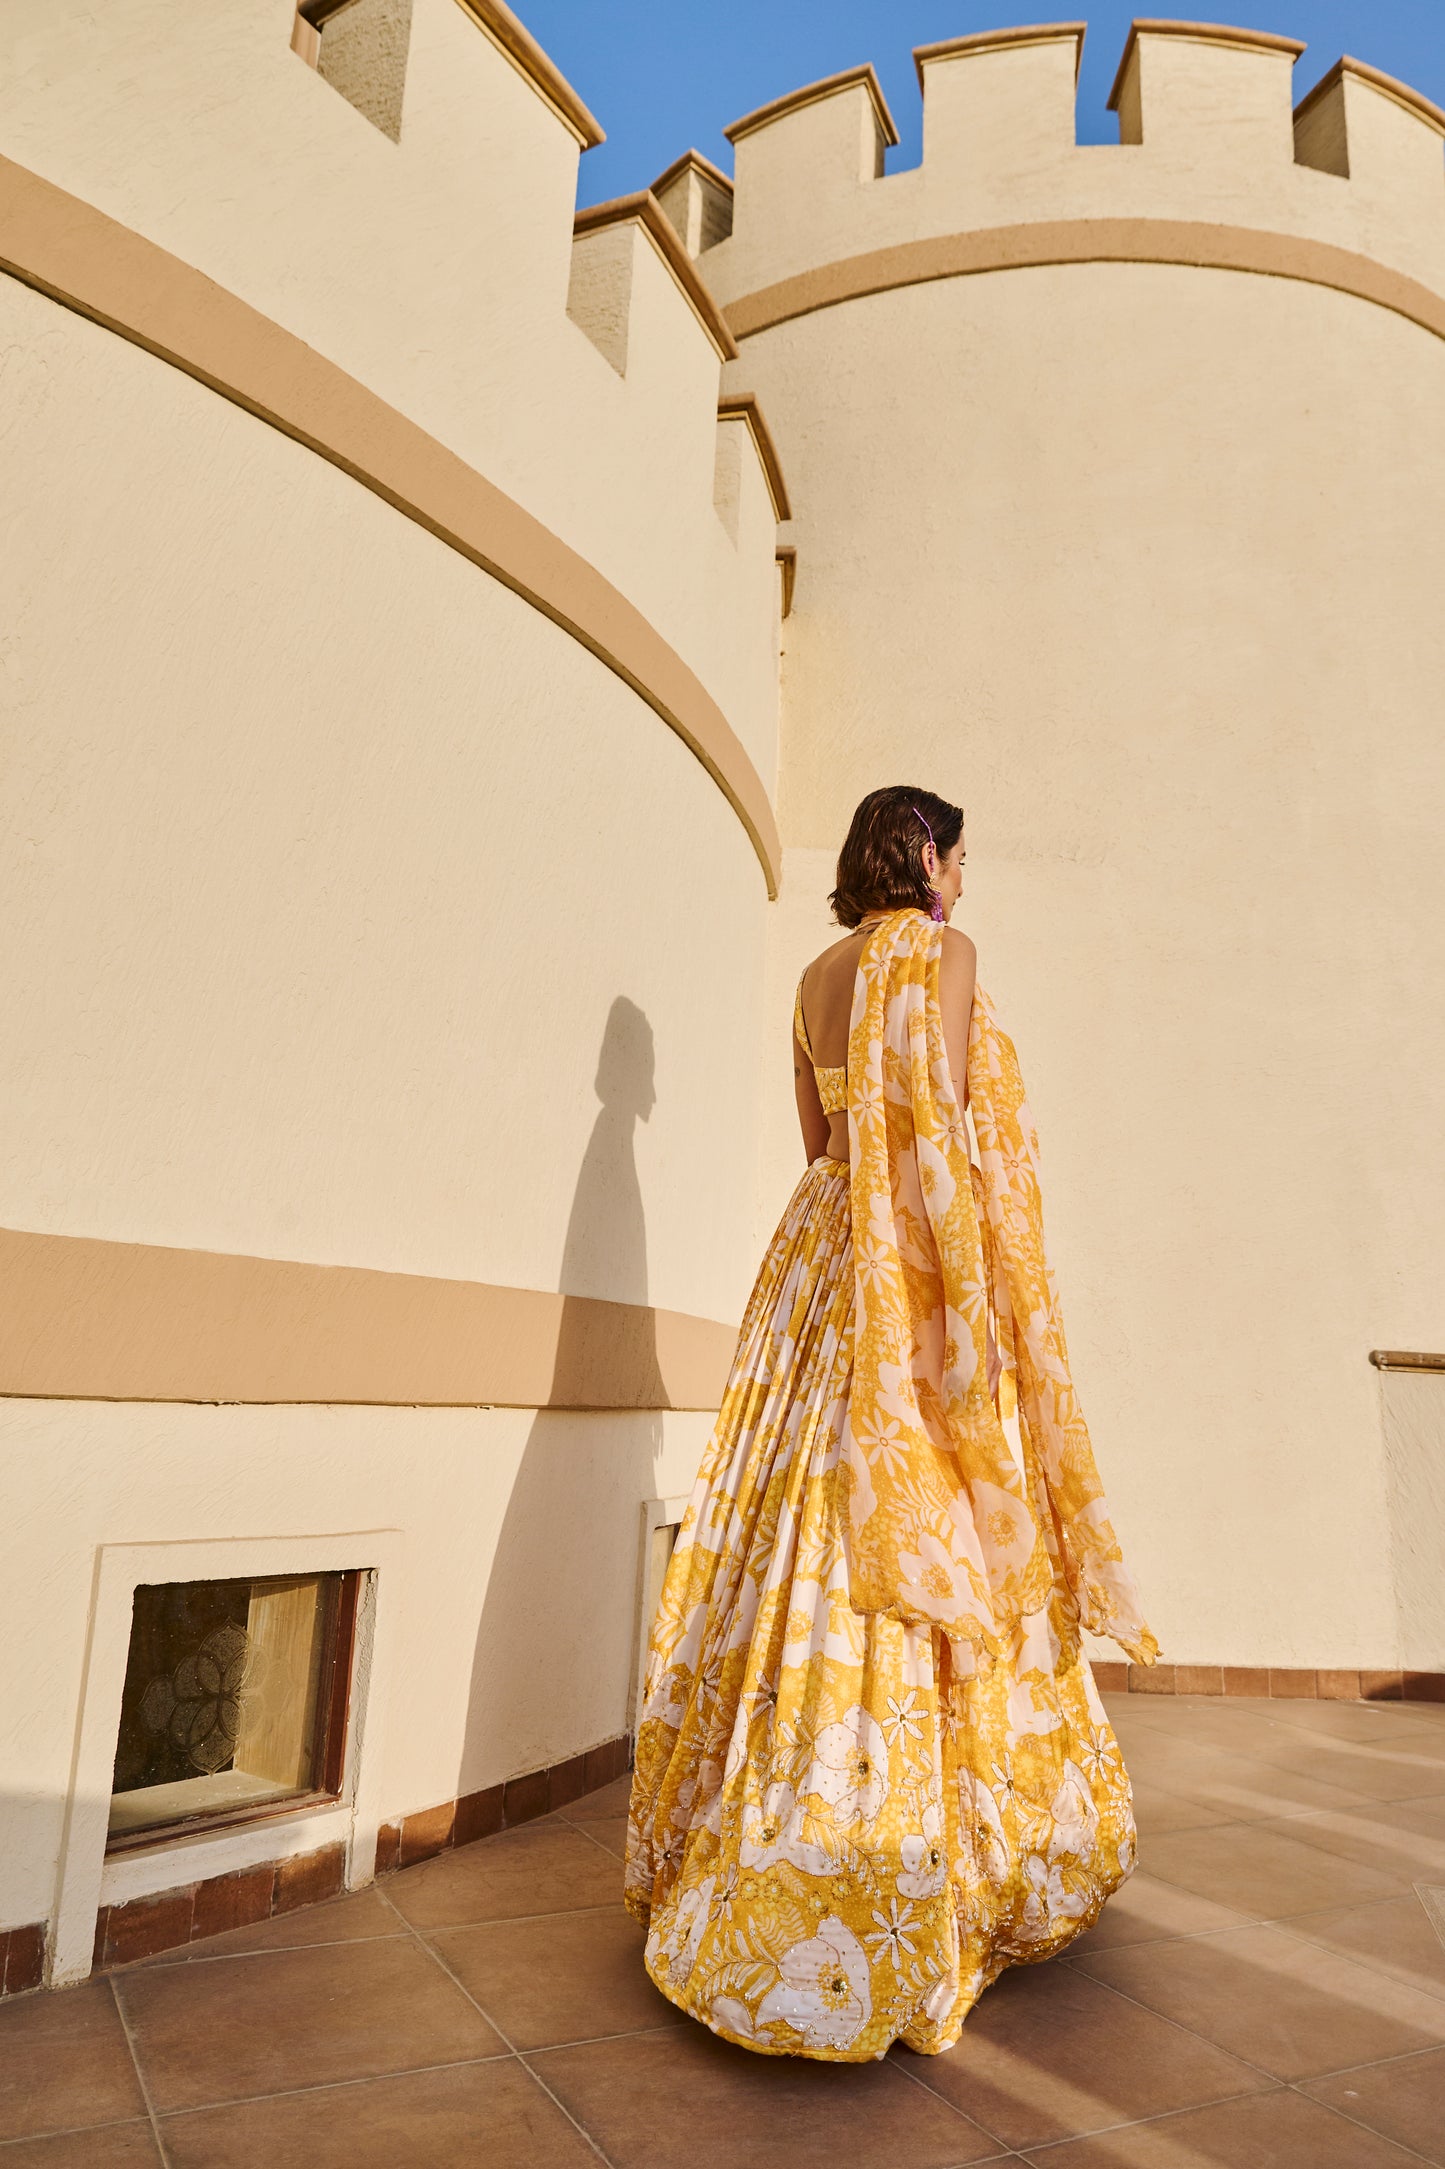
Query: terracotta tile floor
(1267, 1993)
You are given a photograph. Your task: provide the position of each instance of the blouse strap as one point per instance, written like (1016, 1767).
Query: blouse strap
(800, 1029)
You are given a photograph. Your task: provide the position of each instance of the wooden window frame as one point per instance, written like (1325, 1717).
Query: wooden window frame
(335, 1690)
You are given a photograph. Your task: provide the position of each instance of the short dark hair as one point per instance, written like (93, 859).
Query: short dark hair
(879, 866)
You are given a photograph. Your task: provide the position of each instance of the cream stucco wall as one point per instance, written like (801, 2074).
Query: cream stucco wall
(1141, 562)
(329, 858)
(357, 911)
(508, 1646)
(434, 269)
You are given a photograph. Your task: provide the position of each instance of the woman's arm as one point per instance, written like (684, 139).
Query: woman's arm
(811, 1118)
(957, 971)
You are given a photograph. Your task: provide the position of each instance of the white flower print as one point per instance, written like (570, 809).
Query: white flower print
(904, 1721)
(925, 1870)
(890, 1938)
(982, 1823)
(734, 2017)
(689, 1924)
(1076, 1819)
(1099, 1756)
(935, 1583)
(1048, 1898)
(823, 1988)
(765, 1824)
(775, 1830)
(889, 1447)
(850, 1767)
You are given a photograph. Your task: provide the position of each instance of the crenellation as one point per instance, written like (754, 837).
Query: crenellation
(999, 104)
(698, 199)
(360, 48)
(599, 292)
(1197, 93)
(822, 144)
(1209, 139)
(1321, 135)
(1380, 135)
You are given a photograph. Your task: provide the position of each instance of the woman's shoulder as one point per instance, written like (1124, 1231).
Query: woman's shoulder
(828, 960)
(959, 949)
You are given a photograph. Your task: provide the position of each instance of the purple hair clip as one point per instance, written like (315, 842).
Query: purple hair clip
(936, 908)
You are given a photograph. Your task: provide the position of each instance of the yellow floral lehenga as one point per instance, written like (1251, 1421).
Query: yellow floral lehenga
(872, 1765)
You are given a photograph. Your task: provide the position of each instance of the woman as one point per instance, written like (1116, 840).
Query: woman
(873, 1769)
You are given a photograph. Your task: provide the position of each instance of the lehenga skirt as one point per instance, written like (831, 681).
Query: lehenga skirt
(842, 1829)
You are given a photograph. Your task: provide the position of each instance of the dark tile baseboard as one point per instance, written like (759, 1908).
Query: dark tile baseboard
(143, 1926)
(499, 1807)
(22, 1958)
(1285, 1684)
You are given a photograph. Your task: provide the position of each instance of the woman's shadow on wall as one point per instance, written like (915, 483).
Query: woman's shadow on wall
(552, 1672)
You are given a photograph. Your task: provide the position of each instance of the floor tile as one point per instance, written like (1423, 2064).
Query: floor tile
(563, 1977)
(1390, 1762)
(600, 1806)
(1396, 1936)
(113, 2146)
(1158, 1811)
(1264, 1870)
(1403, 1840)
(680, 2098)
(1146, 1910)
(493, 2116)
(1403, 2100)
(1290, 2007)
(540, 1868)
(1047, 2052)
(1250, 1790)
(1367, 1725)
(352, 1919)
(1234, 1728)
(611, 1832)
(260, 2024)
(1268, 2131)
(64, 2062)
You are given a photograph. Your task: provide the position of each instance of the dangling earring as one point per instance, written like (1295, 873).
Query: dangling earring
(935, 909)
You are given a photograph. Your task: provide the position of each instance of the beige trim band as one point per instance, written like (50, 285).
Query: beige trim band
(1242, 41)
(1089, 241)
(644, 208)
(515, 42)
(997, 41)
(77, 256)
(1413, 101)
(743, 407)
(827, 86)
(87, 1320)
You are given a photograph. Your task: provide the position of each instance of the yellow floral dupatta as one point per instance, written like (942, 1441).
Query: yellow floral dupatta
(952, 1523)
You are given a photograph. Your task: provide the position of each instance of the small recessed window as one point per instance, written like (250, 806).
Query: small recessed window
(234, 1705)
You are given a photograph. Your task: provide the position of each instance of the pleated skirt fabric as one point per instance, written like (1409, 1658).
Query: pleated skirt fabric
(842, 1828)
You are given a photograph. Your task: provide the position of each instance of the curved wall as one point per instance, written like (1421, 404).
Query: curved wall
(377, 955)
(337, 859)
(1141, 561)
(435, 269)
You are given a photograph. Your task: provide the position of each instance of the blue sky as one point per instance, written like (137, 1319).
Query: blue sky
(663, 79)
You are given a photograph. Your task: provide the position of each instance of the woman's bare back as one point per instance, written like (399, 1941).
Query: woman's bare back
(828, 985)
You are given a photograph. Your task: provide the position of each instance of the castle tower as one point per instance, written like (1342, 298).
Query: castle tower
(1115, 483)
